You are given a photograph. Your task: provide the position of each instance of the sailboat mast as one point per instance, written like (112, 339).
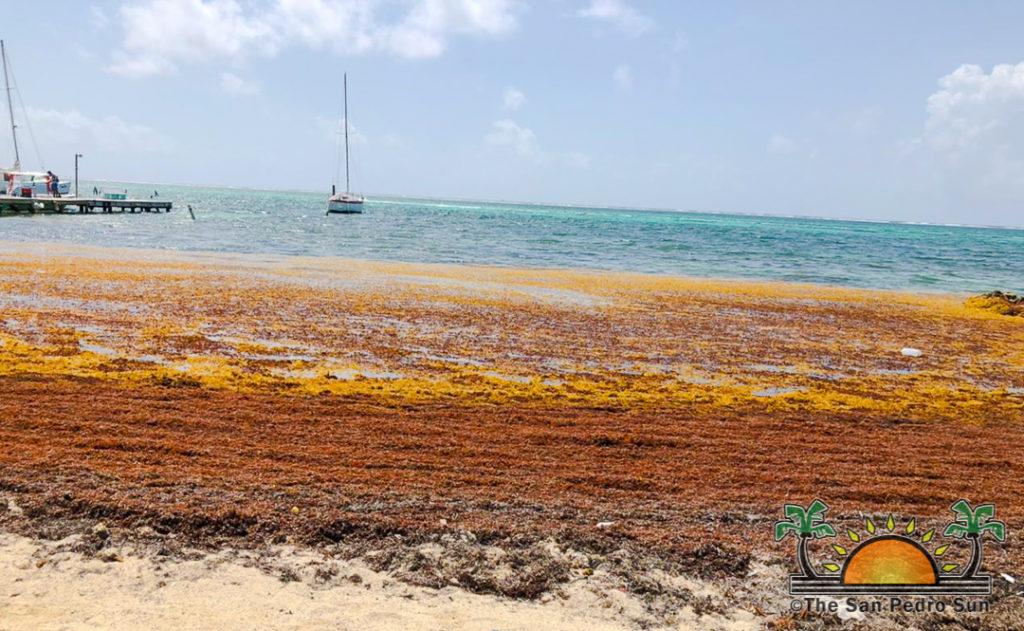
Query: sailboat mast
(10, 107)
(346, 133)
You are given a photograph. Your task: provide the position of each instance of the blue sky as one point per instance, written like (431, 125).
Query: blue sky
(908, 111)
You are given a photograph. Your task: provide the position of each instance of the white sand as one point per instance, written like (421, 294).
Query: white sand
(46, 586)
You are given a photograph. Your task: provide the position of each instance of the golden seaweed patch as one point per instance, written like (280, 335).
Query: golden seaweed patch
(475, 335)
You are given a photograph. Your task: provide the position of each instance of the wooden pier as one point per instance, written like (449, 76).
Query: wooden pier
(51, 205)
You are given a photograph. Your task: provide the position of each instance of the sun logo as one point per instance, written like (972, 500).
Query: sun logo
(890, 558)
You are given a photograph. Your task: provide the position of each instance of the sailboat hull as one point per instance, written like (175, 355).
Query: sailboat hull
(29, 184)
(344, 207)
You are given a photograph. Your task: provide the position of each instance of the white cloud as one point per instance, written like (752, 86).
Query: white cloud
(510, 135)
(343, 26)
(425, 29)
(782, 144)
(972, 107)
(237, 86)
(161, 35)
(975, 130)
(619, 14)
(623, 77)
(69, 130)
(512, 99)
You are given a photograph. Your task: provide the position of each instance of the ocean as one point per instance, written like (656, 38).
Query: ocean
(879, 255)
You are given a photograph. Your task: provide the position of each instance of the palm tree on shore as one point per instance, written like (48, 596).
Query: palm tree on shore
(972, 524)
(805, 524)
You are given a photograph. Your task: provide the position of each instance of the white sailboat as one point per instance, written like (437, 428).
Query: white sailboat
(16, 182)
(346, 203)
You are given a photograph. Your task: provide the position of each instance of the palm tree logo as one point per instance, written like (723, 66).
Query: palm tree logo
(805, 524)
(972, 524)
(890, 560)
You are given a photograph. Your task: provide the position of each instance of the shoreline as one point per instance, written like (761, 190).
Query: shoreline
(149, 255)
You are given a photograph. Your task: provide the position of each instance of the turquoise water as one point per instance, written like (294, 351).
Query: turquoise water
(858, 254)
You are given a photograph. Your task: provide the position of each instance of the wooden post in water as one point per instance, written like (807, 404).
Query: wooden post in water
(77, 156)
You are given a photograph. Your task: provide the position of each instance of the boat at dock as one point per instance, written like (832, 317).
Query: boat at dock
(32, 192)
(30, 184)
(18, 183)
(347, 203)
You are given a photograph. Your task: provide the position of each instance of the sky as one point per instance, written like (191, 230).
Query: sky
(910, 111)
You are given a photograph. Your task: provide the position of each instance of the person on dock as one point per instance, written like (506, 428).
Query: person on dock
(52, 183)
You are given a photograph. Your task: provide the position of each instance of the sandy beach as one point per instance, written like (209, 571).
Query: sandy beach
(49, 586)
(483, 447)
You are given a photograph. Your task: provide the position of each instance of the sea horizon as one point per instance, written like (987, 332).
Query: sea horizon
(512, 202)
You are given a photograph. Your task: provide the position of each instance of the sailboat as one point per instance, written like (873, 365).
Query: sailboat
(15, 181)
(347, 202)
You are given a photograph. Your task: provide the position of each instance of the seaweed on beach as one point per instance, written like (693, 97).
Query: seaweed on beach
(1002, 303)
(501, 431)
(404, 336)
